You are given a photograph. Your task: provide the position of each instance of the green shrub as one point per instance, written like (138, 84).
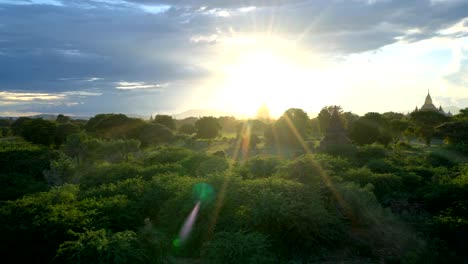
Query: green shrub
(167, 155)
(437, 159)
(39, 223)
(155, 244)
(259, 167)
(333, 165)
(238, 247)
(381, 166)
(200, 164)
(371, 152)
(304, 169)
(211, 165)
(383, 184)
(375, 231)
(108, 173)
(404, 145)
(22, 169)
(101, 246)
(291, 214)
(167, 168)
(345, 151)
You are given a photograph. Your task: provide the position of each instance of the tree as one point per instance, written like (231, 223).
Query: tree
(315, 128)
(423, 124)
(370, 128)
(155, 134)
(61, 119)
(325, 115)
(114, 126)
(246, 137)
(75, 146)
(397, 125)
(63, 131)
(228, 123)
(335, 135)
(188, 129)
(207, 127)
(38, 131)
(463, 115)
(348, 119)
(5, 129)
(101, 246)
(18, 125)
(165, 120)
(456, 132)
(292, 127)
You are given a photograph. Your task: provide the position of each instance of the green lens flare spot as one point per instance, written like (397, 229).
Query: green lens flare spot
(177, 243)
(203, 192)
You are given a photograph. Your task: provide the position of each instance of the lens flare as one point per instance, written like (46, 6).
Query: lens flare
(203, 192)
(187, 227)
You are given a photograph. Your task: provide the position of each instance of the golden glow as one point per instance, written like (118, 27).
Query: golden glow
(259, 76)
(252, 71)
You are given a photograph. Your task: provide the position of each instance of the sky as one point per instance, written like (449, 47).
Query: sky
(84, 57)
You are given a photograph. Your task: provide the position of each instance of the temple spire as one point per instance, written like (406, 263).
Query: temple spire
(428, 100)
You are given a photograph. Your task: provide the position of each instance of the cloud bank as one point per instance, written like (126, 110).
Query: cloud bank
(51, 47)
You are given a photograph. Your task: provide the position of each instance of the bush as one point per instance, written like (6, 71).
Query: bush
(371, 152)
(22, 169)
(375, 231)
(238, 247)
(165, 155)
(188, 129)
(345, 151)
(108, 173)
(290, 213)
(439, 159)
(200, 164)
(39, 223)
(259, 167)
(211, 165)
(152, 134)
(381, 166)
(383, 184)
(333, 165)
(101, 246)
(304, 170)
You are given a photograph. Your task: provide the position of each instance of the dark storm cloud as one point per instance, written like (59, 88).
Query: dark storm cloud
(219, 3)
(47, 43)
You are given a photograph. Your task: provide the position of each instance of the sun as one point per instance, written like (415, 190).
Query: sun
(262, 71)
(257, 77)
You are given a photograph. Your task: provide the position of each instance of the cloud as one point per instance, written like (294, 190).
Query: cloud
(22, 97)
(82, 93)
(97, 43)
(137, 85)
(93, 79)
(27, 97)
(219, 3)
(32, 2)
(18, 113)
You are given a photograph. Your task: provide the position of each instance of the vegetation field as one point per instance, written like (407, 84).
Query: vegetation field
(339, 188)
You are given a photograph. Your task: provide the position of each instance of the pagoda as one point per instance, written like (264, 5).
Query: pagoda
(429, 106)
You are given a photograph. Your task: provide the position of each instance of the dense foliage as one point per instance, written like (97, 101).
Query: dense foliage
(126, 190)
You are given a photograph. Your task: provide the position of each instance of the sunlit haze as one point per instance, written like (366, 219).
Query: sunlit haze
(87, 57)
